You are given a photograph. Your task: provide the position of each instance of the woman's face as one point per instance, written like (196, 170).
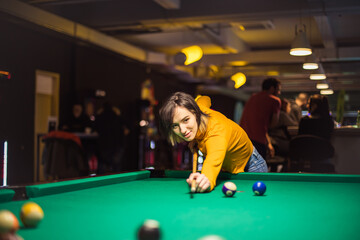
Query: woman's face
(184, 124)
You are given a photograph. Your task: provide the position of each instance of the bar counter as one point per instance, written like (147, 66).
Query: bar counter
(346, 141)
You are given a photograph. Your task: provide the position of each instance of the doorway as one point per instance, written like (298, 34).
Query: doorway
(46, 114)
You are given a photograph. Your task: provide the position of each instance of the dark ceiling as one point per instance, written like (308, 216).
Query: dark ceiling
(253, 37)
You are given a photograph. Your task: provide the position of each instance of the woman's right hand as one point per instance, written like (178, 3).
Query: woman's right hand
(202, 183)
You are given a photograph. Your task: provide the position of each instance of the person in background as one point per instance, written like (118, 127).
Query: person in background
(260, 113)
(90, 117)
(77, 121)
(298, 105)
(110, 128)
(279, 135)
(223, 142)
(319, 121)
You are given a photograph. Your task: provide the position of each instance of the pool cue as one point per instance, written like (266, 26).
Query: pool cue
(195, 158)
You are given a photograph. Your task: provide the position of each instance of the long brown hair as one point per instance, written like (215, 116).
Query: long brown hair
(322, 106)
(179, 99)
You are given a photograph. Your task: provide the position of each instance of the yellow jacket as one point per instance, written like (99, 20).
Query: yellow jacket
(224, 144)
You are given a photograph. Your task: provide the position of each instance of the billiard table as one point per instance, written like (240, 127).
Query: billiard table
(295, 206)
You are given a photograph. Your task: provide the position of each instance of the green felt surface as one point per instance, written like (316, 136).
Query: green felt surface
(288, 210)
(6, 195)
(78, 184)
(302, 177)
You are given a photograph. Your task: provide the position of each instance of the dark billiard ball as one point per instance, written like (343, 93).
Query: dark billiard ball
(10, 236)
(259, 188)
(150, 230)
(229, 189)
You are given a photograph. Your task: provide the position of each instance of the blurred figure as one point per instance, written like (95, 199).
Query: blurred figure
(77, 121)
(318, 122)
(279, 135)
(298, 106)
(261, 111)
(90, 117)
(110, 127)
(90, 144)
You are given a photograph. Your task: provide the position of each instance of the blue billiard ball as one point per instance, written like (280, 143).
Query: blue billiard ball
(229, 189)
(259, 188)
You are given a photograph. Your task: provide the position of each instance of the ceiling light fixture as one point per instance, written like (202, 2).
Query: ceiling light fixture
(322, 86)
(326, 92)
(310, 63)
(310, 66)
(239, 79)
(318, 74)
(188, 55)
(300, 46)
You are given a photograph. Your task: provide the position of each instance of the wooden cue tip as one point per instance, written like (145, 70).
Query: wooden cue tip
(193, 186)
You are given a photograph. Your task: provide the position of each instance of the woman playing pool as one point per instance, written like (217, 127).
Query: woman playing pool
(224, 143)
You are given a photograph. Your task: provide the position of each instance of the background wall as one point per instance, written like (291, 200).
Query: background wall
(82, 67)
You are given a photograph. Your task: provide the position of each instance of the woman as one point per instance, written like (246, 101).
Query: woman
(224, 143)
(279, 135)
(318, 122)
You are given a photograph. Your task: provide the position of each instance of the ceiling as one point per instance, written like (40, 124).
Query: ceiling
(250, 36)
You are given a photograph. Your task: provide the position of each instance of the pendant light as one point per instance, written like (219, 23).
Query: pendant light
(300, 46)
(310, 63)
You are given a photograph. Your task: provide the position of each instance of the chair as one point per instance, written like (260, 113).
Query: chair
(63, 156)
(309, 153)
(277, 163)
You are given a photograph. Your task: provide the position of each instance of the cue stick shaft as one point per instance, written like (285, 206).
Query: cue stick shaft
(5, 163)
(194, 169)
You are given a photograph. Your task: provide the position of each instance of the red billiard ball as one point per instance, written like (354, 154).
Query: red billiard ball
(259, 188)
(150, 230)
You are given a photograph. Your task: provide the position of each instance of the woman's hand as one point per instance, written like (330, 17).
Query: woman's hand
(202, 182)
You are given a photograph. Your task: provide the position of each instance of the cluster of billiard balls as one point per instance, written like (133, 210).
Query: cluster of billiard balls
(31, 215)
(229, 188)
